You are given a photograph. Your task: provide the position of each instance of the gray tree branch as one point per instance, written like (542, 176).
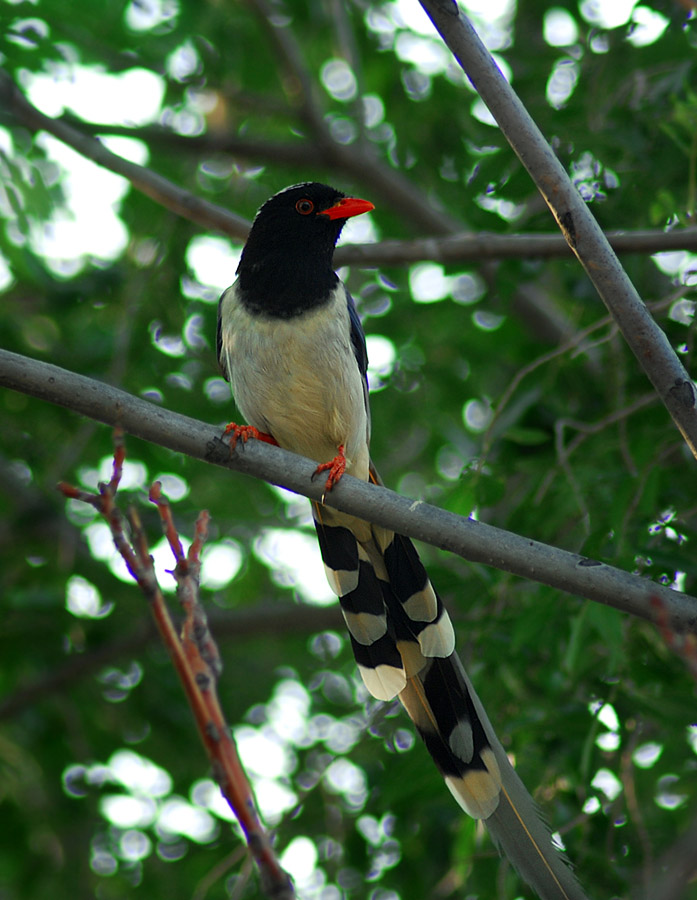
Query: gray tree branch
(484, 245)
(581, 231)
(474, 541)
(461, 247)
(447, 248)
(150, 183)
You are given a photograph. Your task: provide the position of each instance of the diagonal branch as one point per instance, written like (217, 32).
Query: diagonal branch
(153, 185)
(359, 158)
(474, 541)
(581, 231)
(460, 247)
(446, 248)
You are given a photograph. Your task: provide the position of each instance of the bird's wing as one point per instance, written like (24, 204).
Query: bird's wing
(360, 351)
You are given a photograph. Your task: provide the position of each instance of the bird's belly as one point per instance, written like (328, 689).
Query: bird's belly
(298, 380)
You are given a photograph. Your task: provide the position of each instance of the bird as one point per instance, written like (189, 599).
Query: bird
(291, 344)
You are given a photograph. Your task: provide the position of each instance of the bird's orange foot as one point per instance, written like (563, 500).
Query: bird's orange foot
(336, 468)
(245, 432)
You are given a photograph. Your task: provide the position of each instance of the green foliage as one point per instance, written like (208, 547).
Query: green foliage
(577, 454)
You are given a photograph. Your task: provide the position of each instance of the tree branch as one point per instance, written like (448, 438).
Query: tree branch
(444, 248)
(484, 245)
(474, 541)
(155, 186)
(193, 652)
(358, 159)
(461, 247)
(582, 233)
(233, 626)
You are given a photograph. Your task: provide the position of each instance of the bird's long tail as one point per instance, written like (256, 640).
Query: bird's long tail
(403, 642)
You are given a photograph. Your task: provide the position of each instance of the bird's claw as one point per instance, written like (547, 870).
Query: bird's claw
(336, 468)
(245, 432)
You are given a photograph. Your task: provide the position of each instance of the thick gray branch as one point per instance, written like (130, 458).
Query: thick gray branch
(582, 233)
(472, 540)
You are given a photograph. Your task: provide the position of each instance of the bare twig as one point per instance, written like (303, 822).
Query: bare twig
(582, 233)
(577, 343)
(472, 540)
(628, 772)
(195, 656)
(155, 186)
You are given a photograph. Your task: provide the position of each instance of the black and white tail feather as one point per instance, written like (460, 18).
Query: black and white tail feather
(292, 346)
(403, 642)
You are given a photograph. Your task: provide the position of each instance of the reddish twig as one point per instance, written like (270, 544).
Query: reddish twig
(684, 645)
(195, 656)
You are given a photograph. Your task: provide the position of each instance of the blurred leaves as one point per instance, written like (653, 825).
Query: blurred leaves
(576, 456)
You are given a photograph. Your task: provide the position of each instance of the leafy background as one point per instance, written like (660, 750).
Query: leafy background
(104, 787)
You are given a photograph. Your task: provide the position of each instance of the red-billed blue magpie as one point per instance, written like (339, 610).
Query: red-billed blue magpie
(291, 344)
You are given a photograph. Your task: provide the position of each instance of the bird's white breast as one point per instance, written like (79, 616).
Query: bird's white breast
(298, 379)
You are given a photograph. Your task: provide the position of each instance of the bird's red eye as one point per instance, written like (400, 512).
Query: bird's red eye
(304, 207)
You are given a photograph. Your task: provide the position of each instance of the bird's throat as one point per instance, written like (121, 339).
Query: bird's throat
(285, 288)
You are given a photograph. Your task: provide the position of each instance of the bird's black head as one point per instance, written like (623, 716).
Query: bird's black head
(286, 265)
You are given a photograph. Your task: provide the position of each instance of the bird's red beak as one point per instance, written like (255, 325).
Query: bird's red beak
(347, 207)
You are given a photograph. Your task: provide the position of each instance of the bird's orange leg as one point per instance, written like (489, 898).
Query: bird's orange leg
(336, 468)
(245, 432)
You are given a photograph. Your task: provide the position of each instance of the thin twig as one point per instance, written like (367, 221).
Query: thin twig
(195, 657)
(585, 429)
(155, 186)
(581, 231)
(577, 344)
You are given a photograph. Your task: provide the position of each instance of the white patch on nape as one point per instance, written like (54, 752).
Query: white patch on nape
(438, 639)
(422, 606)
(365, 627)
(383, 682)
(461, 741)
(341, 581)
(477, 792)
